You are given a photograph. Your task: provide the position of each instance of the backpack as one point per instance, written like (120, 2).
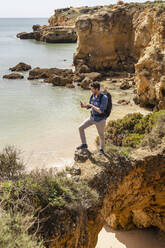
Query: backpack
(108, 110)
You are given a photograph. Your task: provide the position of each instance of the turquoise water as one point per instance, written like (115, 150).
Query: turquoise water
(37, 118)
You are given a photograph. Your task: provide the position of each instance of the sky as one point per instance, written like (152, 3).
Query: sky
(45, 8)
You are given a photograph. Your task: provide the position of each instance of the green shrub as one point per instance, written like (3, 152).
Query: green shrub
(14, 231)
(131, 129)
(132, 139)
(43, 188)
(11, 166)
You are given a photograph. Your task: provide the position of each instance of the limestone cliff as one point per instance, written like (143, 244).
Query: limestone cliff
(128, 37)
(68, 16)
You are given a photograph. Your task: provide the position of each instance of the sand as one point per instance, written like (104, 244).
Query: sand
(146, 238)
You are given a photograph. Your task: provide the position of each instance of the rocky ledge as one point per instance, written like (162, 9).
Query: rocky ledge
(130, 184)
(68, 16)
(51, 34)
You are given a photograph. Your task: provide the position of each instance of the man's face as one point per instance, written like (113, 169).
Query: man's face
(94, 91)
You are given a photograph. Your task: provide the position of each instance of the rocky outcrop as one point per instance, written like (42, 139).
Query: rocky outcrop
(150, 69)
(131, 188)
(68, 16)
(31, 35)
(105, 41)
(55, 76)
(51, 34)
(61, 28)
(13, 76)
(127, 37)
(21, 67)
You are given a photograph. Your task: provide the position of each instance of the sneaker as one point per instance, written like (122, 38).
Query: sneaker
(83, 146)
(101, 152)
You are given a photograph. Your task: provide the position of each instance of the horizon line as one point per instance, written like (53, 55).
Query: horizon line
(24, 17)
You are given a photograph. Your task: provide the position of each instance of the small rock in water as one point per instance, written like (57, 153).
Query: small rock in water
(20, 67)
(13, 76)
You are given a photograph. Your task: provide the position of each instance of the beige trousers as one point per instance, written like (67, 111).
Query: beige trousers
(100, 125)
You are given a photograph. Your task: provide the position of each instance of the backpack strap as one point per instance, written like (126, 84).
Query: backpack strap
(90, 98)
(100, 98)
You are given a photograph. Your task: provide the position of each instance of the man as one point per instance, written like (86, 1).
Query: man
(96, 118)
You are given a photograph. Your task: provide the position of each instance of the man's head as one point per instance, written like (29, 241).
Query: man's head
(95, 87)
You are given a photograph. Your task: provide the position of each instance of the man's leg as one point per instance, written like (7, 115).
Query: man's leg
(88, 122)
(100, 125)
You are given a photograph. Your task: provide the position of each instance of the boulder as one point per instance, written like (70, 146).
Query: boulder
(13, 76)
(94, 76)
(125, 85)
(38, 73)
(70, 86)
(78, 78)
(136, 99)
(47, 74)
(82, 155)
(60, 81)
(82, 69)
(20, 67)
(123, 102)
(85, 83)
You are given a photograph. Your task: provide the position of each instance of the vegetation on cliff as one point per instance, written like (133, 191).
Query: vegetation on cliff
(134, 129)
(68, 208)
(29, 201)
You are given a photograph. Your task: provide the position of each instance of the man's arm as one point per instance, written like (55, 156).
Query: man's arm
(104, 103)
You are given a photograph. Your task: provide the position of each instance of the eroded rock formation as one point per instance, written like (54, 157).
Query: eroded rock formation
(129, 38)
(68, 16)
(51, 34)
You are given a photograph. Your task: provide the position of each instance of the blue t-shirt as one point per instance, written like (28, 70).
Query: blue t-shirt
(95, 100)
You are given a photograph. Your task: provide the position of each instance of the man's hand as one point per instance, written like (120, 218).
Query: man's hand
(89, 105)
(83, 105)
